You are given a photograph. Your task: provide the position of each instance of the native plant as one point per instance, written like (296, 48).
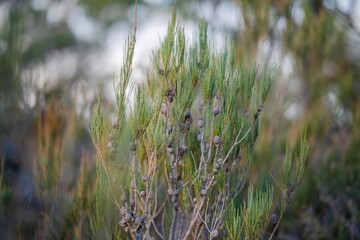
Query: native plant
(175, 161)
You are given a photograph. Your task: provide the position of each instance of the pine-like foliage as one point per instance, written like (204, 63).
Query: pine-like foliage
(174, 165)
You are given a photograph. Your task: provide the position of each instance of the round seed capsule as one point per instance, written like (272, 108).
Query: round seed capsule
(127, 218)
(145, 178)
(217, 140)
(215, 233)
(143, 193)
(123, 211)
(132, 202)
(122, 223)
(203, 179)
(216, 111)
(273, 219)
(137, 220)
(151, 197)
(172, 92)
(203, 192)
(132, 185)
(201, 123)
(170, 191)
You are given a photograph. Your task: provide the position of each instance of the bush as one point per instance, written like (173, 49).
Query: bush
(180, 154)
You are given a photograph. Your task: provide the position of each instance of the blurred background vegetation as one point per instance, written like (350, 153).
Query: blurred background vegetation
(54, 55)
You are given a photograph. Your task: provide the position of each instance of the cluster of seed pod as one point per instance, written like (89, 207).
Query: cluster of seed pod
(175, 176)
(174, 194)
(129, 220)
(200, 124)
(204, 180)
(165, 107)
(176, 162)
(217, 165)
(208, 178)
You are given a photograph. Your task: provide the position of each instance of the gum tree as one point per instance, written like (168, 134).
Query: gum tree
(175, 162)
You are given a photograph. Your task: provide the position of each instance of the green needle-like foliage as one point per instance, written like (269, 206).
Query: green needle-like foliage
(256, 212)
(97, 128)
(183, 152)
(234, 222)
(294, 164)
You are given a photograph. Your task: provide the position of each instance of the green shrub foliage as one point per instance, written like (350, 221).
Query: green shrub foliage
(175, 161)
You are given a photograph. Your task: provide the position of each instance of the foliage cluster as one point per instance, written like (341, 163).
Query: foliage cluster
(203, 167)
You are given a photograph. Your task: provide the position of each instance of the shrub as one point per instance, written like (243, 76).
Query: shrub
(180, 154)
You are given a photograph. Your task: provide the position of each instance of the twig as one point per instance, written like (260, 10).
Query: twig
(156, 229)
(173, 224)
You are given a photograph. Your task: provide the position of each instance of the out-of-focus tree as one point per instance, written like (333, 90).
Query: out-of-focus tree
(315, 42)
(37, 136)
(10, 50)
